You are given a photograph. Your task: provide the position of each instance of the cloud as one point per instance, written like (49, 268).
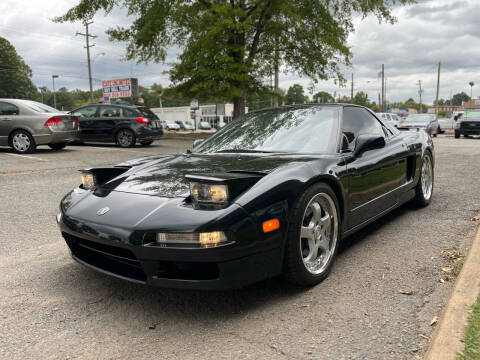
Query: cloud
(425, 33)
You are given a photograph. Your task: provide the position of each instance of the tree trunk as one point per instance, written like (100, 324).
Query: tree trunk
(238, 106)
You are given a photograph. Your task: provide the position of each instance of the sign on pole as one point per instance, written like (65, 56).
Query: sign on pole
(114, 89)
(194, 104)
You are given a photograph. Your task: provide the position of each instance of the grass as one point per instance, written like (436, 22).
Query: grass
(472, 335)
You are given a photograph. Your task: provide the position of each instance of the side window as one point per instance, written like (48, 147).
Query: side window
(86, 112)
(110, 111)
(357, 121)
(8, 109)
(129, 113)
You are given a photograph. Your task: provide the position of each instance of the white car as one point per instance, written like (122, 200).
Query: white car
(204, 125)
(394, 118)
(171, 125)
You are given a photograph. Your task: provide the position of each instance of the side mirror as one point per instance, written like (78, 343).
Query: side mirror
(197, 142)
(367, 142)
(456, 117)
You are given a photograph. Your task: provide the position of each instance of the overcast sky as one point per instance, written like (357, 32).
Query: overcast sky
(428, 32)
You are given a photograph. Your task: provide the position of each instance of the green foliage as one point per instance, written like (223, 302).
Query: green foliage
(15, 75)
(295, 95)
(361, 98)
(442, 113)
(226, 47)
(472, 335)
(460, 98)
(323, 97)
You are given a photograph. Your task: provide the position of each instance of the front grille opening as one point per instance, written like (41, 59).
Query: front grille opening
(187, 270)
(115, 260)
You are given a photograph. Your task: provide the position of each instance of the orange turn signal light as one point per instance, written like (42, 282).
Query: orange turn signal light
(270, 225)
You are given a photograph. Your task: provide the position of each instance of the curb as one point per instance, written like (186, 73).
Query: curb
(447, 339)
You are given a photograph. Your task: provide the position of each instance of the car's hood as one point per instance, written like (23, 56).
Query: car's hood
(164, 175)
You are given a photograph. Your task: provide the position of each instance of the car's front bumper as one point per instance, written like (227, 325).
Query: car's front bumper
(123, 253)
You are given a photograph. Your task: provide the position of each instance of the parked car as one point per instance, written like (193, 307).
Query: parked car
(185, 125)
(123, 124)
(446, 124)
(427, 122)
(394, 118)
(171, 125)
(25, 124)
(467, 124)
(273, 191)
(204, 125)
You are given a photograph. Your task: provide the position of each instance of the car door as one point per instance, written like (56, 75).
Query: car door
(86, 121)
(109, 119)
(374, 175)
(8, 114)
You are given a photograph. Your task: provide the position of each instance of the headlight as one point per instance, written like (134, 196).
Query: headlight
(88, 180)
(208, 194)
(205, 239)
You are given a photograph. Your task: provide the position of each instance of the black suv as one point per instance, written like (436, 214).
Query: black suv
(119, 123)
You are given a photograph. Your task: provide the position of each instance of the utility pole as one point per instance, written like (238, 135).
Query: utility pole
(438, 89)
(54, 94)
(88, 46)
(420, 93)
(351, 92)
(383, 88)
(379, 102)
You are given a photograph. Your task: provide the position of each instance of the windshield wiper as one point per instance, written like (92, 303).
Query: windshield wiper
(245, 151)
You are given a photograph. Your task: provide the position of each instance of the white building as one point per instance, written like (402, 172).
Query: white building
(217, 115)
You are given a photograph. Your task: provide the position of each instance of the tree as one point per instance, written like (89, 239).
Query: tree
(227, 46)
(460, 98)
(361, 98)
(295, 95)
(15, 75)
(323, 97)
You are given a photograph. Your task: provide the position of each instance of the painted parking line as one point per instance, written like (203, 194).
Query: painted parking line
(28, 157)
(117, 149)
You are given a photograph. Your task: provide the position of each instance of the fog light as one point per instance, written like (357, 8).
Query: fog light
(212, 238)
(207, 239)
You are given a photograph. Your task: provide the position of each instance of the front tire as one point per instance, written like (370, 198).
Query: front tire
(313, 236)
(424, 188)
(126, 138)
(59, 146)
(22, 142)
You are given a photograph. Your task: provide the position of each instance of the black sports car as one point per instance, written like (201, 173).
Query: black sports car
(272, 192)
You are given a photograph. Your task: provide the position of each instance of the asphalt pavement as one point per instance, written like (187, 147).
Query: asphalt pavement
(53, 308)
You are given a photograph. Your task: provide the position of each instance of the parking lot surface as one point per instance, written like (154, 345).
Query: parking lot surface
(53, 308)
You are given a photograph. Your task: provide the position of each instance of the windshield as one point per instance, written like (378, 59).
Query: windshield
(471, 115)
(278, 130)
(425, 118)
(39, 107)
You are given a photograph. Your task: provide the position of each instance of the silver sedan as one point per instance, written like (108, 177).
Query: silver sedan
(24, 124)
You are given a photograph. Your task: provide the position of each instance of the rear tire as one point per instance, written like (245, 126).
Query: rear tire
(22, 142)
(58, 146)
(125, 138)
(314, 233)
(424, 188)
(457, 135)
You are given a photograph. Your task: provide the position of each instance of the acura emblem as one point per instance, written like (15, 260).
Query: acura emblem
(103, 211)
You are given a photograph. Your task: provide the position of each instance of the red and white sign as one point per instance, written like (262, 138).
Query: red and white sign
(120, 88)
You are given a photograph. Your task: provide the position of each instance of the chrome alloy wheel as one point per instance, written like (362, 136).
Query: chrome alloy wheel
(319, 233)
(427, 177)
(21, 142)
(125, 138)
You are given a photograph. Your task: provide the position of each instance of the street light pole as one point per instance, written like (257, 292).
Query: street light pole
(54, 94)
(471, 83)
